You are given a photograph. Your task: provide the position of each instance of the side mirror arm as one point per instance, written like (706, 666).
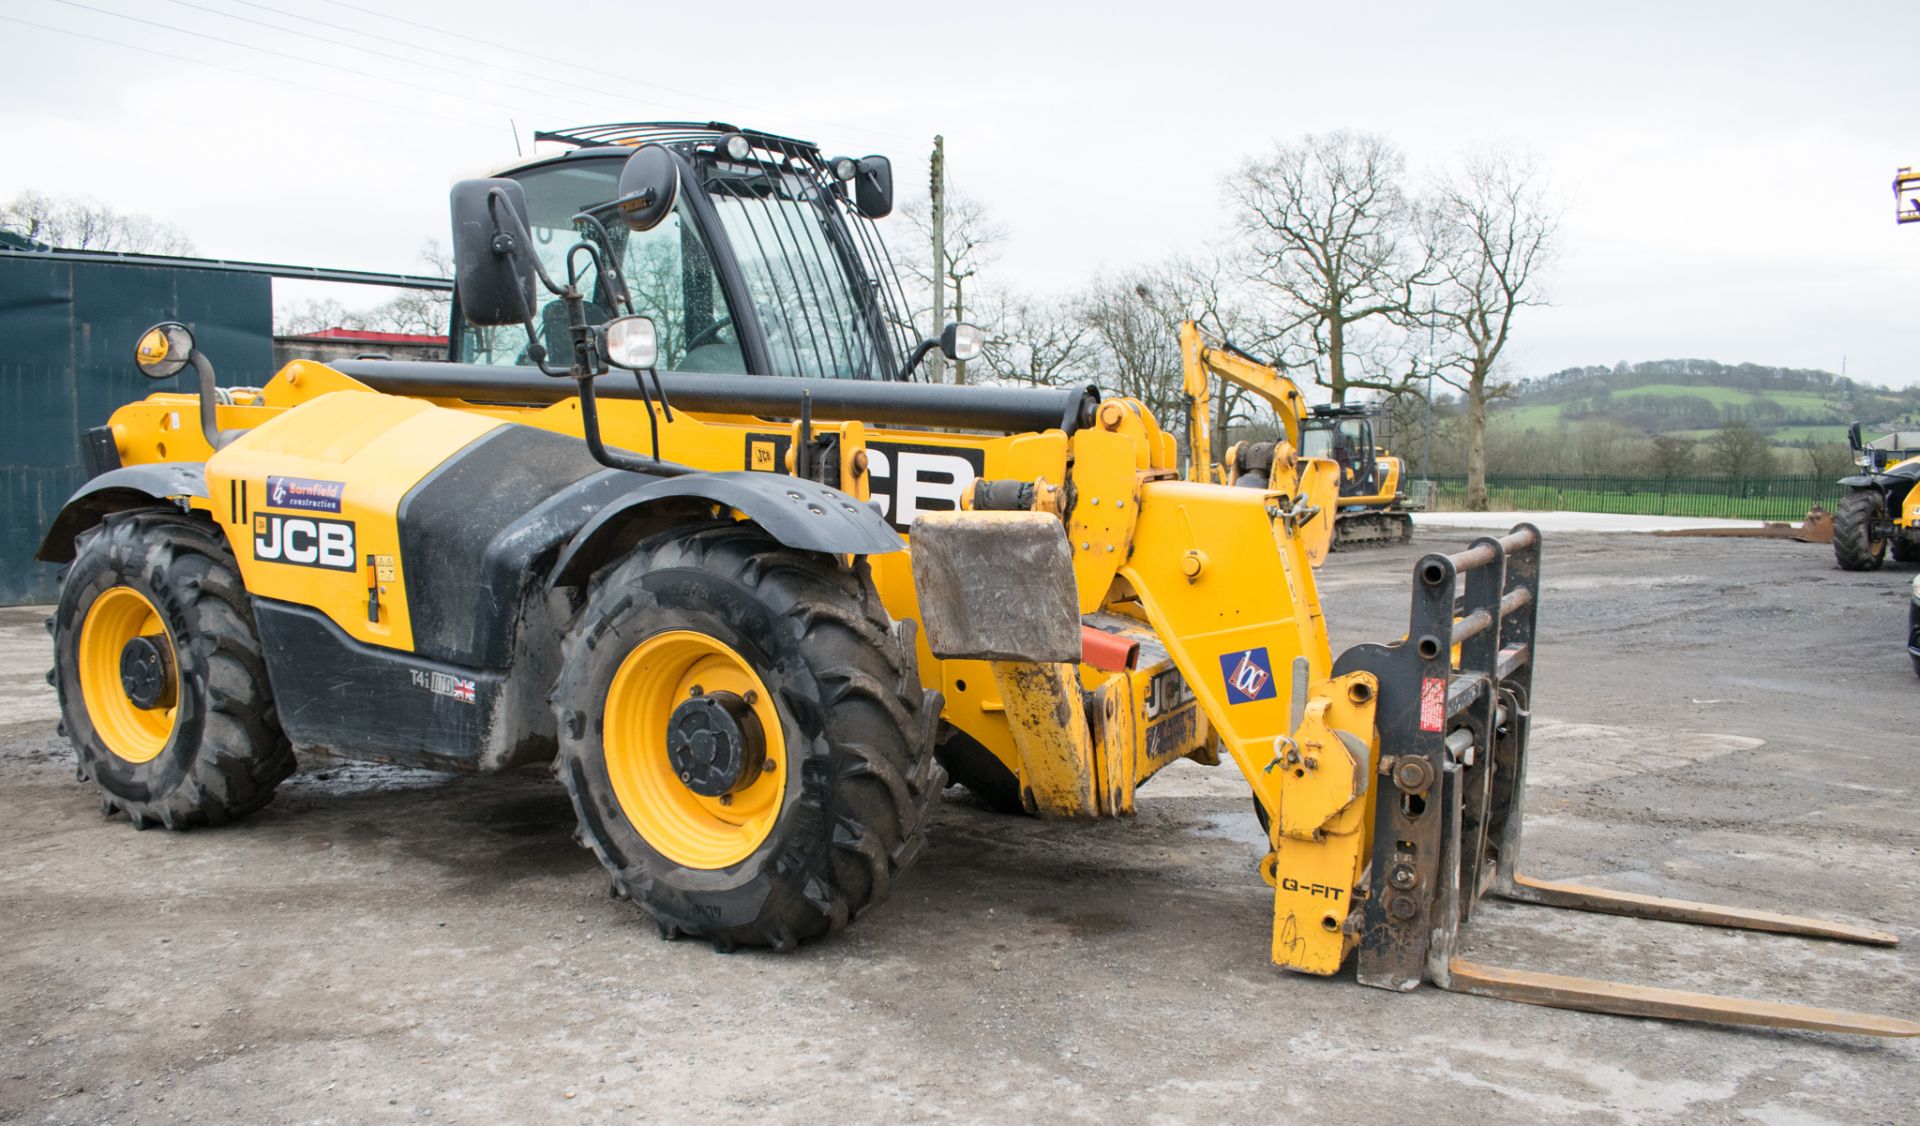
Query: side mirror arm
(919, 353)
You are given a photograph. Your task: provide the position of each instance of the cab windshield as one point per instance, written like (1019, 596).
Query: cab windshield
(817, 322)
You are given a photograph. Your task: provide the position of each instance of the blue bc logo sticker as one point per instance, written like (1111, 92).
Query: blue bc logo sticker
(1249, 675)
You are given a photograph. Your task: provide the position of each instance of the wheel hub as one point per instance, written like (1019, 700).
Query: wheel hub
(715, 744)
(146, 672)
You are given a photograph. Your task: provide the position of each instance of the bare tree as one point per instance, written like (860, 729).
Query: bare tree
(1670, 456)
(1136, 333)
(1333, 244)
(424, 312)
(76, 223)
(1492, 228)
(428, 312)
(1133, 321)
(972, 237)
(1036, 340)
(1826, 459)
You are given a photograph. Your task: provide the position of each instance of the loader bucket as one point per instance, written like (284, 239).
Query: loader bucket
(1455, 699)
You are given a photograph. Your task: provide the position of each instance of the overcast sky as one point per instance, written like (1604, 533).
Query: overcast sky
(1725, 167)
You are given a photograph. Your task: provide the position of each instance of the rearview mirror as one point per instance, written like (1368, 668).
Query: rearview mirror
(492, 272)
(649, 187)
(873, 187)
(164, 350)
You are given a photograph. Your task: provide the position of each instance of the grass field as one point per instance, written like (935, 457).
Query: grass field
(1779, 498)
(1800, 404)
(1836, 432)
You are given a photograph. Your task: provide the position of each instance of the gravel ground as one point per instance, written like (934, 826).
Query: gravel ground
(1731, 720)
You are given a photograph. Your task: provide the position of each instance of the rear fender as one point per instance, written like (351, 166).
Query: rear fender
(132, 486)
(801, 514)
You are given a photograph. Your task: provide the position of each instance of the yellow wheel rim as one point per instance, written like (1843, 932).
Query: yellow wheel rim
(688, 828)
(120, 615)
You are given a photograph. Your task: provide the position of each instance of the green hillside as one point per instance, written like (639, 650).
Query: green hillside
(1696, 398)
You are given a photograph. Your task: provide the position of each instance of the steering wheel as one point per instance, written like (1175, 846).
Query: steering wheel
(706, 334)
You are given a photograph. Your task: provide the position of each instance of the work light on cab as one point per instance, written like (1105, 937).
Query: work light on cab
(631, 343)
(962, 342)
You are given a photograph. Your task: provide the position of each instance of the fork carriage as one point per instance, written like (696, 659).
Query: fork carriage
(1457, 696)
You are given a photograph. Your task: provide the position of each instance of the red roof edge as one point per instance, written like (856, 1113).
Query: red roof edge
(362, 336)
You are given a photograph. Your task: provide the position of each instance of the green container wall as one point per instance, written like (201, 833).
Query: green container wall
(67, 332)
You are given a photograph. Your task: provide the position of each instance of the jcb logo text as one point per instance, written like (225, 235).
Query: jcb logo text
(303, 541)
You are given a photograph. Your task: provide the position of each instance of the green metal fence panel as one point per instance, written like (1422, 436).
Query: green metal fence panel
(1731, 498)
(67, 362)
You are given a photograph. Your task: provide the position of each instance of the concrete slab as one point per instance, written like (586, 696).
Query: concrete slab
(1575, 521)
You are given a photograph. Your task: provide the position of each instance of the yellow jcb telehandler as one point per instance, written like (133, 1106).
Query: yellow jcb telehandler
(647, 524)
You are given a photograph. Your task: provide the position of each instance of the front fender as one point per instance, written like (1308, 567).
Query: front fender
(1867, 481)
(803, 515)
(131, 486)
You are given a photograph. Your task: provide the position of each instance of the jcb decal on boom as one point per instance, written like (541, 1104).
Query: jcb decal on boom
(1167, 692)
(303, 541)
(906, 479)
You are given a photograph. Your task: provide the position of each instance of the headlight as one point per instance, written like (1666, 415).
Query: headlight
(1863, 459)
(1916, 588)
(631, 343)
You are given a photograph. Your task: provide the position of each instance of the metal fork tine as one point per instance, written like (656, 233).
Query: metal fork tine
(1591, 995)
(1580, 898)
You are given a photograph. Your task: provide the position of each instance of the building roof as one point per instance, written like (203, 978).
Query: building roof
(364, 336)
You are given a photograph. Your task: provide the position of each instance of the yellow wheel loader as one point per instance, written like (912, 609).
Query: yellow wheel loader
(647, 525)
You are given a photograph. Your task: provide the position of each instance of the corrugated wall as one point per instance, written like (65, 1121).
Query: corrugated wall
(67, 332)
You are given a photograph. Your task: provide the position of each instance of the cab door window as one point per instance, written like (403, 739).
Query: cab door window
(669, 271)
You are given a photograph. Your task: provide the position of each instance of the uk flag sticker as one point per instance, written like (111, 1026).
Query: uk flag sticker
(1249, 675)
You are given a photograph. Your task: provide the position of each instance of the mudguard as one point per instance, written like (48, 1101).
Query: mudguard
(132, 486)
(1867, 481)
(803, 515)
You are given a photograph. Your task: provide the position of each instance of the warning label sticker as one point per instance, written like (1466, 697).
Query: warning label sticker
(1433, 703)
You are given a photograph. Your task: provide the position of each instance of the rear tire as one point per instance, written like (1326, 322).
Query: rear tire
(217, 752)
(1906, 546)
(1854, 547)
(844, 728)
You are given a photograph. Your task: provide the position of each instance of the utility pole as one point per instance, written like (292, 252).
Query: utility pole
(1426, 454)
(937, 195)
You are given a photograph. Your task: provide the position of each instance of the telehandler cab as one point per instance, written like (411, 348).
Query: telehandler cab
(467, 565)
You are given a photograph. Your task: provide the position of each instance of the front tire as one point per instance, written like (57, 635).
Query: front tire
(1854, 518)
(163, 689)
(744, 735)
